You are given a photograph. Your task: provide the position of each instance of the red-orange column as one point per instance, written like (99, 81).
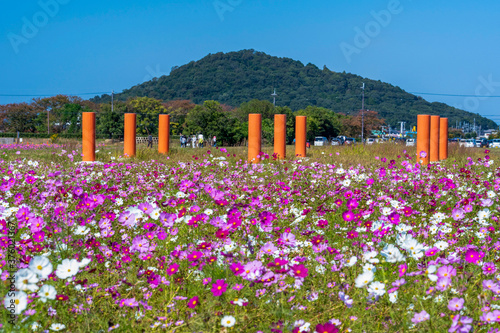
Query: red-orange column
(88, 136)
(164, 134)
(254, 137)
(443, 138)
(129, 135)
(280, 135)
(423, 138)
(300, 136)
(434, 139)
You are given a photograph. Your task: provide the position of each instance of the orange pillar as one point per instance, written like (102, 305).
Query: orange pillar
(129, 137)
(300, 136)
(434, 139)
(280, 135)
(443, 138)
(88, 136)
(254, 137)
(423, 138)
(164, 134)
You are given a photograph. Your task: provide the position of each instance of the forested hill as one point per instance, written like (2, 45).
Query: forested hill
(236, 77)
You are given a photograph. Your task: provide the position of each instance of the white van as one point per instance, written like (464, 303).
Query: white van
(410, 142)
(495, 143)
(370, 141)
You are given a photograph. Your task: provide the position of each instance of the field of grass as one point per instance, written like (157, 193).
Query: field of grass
(349, 239)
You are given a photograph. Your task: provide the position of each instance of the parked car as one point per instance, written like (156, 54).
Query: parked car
(350, 141)
(495, 143)
(336, 142)
(320, 141)
(410, 142)
(370, 141)
(467, 143)
(484, 143)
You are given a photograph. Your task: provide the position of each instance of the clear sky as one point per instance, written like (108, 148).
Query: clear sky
(74, 47)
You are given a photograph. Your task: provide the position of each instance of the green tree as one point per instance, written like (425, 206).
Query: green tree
(148, 110)
(321, 122)
(211, 120)
(17, 117)
(110, 123)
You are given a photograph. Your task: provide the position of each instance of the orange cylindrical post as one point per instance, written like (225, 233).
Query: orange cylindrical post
(129, 135)
(254, 137)
(443, 138)
(423, 138)
(280, 135)
(164, 134)
(88, 136)
(434, 139)
(300, 136)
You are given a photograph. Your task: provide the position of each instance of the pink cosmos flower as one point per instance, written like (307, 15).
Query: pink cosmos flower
(472, 256)
(300, 270)
(420, 317)
(172, 269)
(456, 304)
(219, 287)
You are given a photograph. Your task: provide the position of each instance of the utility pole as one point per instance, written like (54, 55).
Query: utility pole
(112, 102)
(274, 97)
(363, 114)
(48, 123)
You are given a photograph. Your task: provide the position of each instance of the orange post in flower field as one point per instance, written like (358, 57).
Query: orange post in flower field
(280, 135)
(129, 135)
(443, 139)
(254, 137)
(164, 134)
(88, 136)
(423, 138)
(300, 136)
(434, 139)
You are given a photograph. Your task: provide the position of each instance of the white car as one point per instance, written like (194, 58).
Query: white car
(467, 143)
(410, 142)
(320, 141)
(495, 143)
(370, 141)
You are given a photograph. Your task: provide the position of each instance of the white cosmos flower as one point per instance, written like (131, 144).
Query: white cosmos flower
(369, 267)
(370, 257)
(84, 262)
(41, 266)
(57, 327)
(228, 321)
(351, 261)
(15, 302)
(35, 326)
(81, 230)
(376, 288)
(68, 268)
(393, 297)
(155, 214)
(47, 292)
(363, 279)
(442, 245)
(26, 279)
(430, 273)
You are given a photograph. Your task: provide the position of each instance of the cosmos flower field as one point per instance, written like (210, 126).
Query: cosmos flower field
(215, 244)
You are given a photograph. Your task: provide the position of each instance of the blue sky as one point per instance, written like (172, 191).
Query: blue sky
(98, 46)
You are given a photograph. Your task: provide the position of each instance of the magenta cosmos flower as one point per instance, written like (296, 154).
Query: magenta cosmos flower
(193, 302)
(326, 328)
(172, 269)
(299, 270)
(219, 287)
(348, 216)
(472, 256)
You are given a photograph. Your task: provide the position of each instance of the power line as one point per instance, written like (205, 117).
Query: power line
(95, 93)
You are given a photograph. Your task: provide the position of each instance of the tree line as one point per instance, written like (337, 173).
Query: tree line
(62, 115)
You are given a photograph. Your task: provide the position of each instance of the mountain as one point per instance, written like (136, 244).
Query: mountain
(237, 77)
